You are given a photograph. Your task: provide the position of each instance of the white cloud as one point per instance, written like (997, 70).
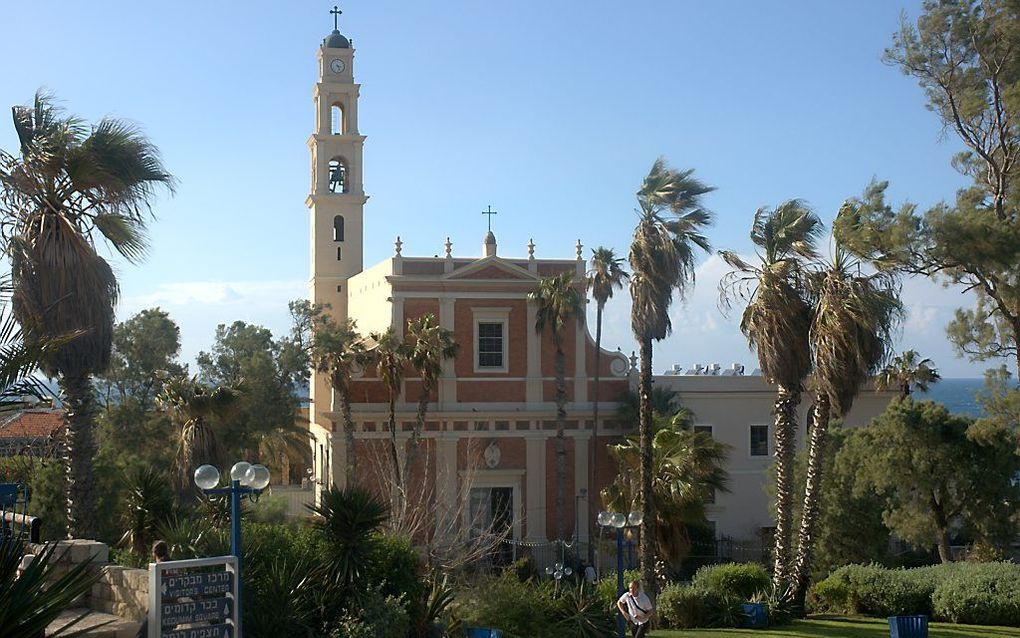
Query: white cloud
(199, 306)
(703, 334)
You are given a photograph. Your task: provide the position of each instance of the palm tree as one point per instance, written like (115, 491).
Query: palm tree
(776, 322)
(906, 372)
(670, 225)
(605, 276)
(337, 351)
(558, 301)
(854, 319)
(390, 355)
(430, 345)
(191, 406)
(688, 468)
(72, 184)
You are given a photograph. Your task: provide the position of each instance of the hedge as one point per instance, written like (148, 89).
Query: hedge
(973, 593)
(742, 580)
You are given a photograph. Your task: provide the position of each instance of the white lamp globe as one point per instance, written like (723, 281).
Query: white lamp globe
(549, 570)
(238, 472)
(636, 518)
(207, 477)
(619, 519)
(567, 571)
(604, 519)
(257, 477)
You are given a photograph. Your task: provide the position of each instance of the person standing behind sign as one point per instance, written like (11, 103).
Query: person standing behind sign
(160, 554)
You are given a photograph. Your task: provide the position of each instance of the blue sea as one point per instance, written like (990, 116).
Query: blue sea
(958, 395)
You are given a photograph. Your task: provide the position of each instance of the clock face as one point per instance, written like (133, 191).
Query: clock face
(337, 66)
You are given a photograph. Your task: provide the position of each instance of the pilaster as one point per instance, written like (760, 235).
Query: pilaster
(581, 487)
(446, 486)
(535, 489)
(448, 377)
(533, 382)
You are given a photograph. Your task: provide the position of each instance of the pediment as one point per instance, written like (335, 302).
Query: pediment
(491, 268)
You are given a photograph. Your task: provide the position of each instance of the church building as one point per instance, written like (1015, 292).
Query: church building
(490, 437)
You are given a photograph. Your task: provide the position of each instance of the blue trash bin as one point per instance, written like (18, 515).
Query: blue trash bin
(483, 632)
(908, 626)
(755, 616)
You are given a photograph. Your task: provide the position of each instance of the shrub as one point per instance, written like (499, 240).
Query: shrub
(397, 567)
(742, 580)
(977, 593)
(519, 609)
(379, 616)
(605, 589)
(980, 594)
(830, 595)
(876, 591)
(691, 606)
(269, 509)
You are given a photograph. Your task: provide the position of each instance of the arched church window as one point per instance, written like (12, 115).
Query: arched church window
(336, 116)
(337, 176)
(338, 228)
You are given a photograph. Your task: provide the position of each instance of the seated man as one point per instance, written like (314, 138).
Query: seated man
(636, 607)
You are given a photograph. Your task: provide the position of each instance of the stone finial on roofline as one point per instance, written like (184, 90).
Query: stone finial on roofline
(449, 248)
(531, 249)
(398, 246)
(579, 249)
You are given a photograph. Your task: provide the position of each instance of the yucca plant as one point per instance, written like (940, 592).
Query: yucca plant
(349, 520)
(582, 614)
(29, 603)
(149, 503)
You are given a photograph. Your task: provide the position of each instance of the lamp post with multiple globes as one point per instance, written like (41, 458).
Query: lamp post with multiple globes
(620, 522)
(245, 480)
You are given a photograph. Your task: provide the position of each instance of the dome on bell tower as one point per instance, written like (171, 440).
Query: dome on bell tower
(336, 40)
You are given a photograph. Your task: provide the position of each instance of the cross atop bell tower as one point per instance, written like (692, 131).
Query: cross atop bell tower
(337, 197)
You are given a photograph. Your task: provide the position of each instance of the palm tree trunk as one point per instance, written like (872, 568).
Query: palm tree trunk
(79, 454)
(394, 455)
(647, 502)
(593, 449)
(785, 411)
(812, 500)
(414, 445)
(561, 444)
(351, 471)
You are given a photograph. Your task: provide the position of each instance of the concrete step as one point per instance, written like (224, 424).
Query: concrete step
(96, 624)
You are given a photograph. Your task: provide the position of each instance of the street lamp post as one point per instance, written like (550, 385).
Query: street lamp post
(558, 571)
(620, 521)
(245, 480)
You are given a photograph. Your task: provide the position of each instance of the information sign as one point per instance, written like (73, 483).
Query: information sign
(178, 613)
(210, 631)
(194, 598)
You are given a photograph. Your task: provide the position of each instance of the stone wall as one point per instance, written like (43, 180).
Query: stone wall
(121, 591)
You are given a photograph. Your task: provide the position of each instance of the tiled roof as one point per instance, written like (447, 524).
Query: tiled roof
(32, 424)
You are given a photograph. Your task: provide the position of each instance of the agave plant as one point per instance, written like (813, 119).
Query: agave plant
(33, 600)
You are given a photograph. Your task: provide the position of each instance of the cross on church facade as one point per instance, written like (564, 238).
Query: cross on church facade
(336, 15)
(490, 213)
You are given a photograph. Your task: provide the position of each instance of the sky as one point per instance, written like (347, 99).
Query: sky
(550, 112)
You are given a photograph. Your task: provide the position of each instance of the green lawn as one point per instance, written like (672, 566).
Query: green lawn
(838, 627)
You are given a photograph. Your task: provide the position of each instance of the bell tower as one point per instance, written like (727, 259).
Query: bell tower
(337, 198)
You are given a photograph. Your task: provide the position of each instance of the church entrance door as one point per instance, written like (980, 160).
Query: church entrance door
(492, 514)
